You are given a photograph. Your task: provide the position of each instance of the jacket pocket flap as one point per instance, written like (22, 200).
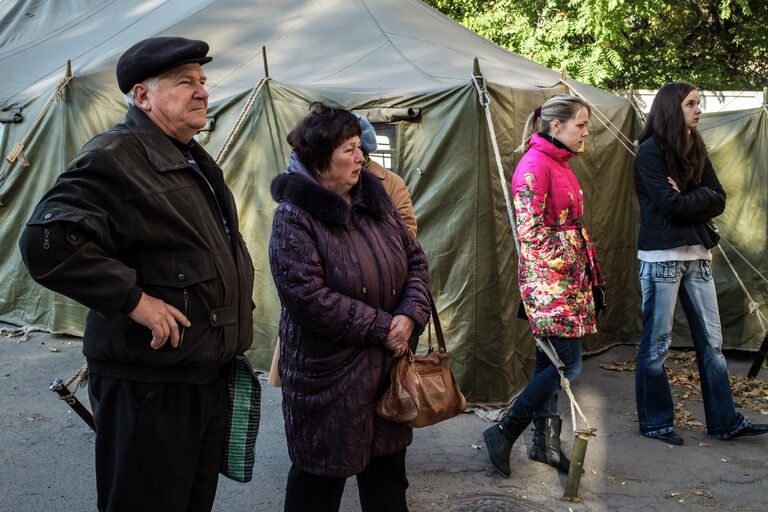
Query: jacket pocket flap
(53, 214)
(177, 271)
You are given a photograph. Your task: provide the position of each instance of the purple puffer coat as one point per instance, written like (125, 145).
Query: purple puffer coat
(342, 272)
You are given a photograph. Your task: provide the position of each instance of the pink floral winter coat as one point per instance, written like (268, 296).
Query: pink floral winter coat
(558, 264)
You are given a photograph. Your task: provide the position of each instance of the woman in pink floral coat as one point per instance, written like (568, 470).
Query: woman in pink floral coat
(557, 272)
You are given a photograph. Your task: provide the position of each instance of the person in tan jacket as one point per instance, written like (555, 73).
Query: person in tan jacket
(393, 183)
(396, 190)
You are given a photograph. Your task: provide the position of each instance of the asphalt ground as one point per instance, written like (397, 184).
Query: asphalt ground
(46, 451)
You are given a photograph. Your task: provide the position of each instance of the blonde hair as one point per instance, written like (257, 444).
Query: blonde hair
(561, 107)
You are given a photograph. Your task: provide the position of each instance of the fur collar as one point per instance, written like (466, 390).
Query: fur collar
(328, 207)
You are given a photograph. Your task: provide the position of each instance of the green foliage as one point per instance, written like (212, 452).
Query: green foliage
(715, 44)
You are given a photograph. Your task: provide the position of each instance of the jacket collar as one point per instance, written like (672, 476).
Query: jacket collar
(161, 152)
(551, 147)
(299, 187)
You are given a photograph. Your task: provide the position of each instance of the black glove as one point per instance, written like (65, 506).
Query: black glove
(521, 314)
(598, 293)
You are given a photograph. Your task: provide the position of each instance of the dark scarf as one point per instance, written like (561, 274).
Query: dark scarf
(555, 141)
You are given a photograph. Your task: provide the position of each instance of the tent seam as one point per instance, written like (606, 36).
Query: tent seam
(257, 53)
(393, 45)
(353, 64)
(109, 39)
(55, 32)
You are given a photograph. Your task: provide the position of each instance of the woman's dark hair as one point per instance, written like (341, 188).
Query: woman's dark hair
(684, 148)
(318, 135)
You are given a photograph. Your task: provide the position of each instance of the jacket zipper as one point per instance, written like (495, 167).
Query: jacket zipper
(382, 299)
(211, 194)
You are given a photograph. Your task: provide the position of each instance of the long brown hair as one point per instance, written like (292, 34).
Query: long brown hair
(683, 148)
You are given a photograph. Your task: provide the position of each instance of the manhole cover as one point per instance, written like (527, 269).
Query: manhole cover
(492, 502)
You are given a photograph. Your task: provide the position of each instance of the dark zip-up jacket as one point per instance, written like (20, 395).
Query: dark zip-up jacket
(130, 214)
(342, 272)
(669, 219)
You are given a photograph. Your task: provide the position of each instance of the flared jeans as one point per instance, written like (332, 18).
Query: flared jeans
(662, 284)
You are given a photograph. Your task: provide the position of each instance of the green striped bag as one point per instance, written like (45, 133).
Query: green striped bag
(243, 412)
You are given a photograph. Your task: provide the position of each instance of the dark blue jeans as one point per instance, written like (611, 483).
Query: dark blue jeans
(662, 284)
(539, 398)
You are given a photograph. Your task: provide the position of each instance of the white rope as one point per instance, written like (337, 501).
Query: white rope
(638, 111)
(544, 344)
(597, 110)
(485, 101)
(80, 378)
(612, 129)
(753, 306)
(240, 119)
(16, 152)
(745, 259)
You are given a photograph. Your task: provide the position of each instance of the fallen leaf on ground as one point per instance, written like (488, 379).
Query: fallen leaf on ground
(685, 382)
(621, 366)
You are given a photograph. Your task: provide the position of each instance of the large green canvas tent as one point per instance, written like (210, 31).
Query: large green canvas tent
(737, 142)
(386, 55)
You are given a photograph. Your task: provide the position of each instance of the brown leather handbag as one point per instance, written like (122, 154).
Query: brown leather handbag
(423, 390)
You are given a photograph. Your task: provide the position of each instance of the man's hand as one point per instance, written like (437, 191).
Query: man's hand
(160, 318)
(400, 331)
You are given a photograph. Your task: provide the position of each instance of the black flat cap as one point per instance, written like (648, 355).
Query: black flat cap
(156, 55)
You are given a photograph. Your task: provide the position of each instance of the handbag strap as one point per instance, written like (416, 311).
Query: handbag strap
(438, 328)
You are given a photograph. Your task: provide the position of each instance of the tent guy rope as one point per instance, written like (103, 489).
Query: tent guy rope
(240, 120)
(604, 120)
(16, 152)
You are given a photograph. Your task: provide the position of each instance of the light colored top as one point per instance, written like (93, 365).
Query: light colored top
(684, 253)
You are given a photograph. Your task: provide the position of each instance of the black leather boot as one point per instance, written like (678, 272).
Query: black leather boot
(500, 438)
(546, 443)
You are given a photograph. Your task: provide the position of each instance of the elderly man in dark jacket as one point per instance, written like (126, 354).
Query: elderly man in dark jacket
(142, 230)
(353, 286)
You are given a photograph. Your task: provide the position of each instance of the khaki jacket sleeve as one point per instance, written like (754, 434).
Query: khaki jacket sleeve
(398, 192)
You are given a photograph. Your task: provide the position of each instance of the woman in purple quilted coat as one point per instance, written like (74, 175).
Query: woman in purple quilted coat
(557, 272)
(353, 287)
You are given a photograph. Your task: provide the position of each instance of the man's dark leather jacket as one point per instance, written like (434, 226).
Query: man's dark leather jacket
(130, 214)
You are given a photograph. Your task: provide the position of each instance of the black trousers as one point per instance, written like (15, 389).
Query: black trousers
(381, 487)
(158, 446)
